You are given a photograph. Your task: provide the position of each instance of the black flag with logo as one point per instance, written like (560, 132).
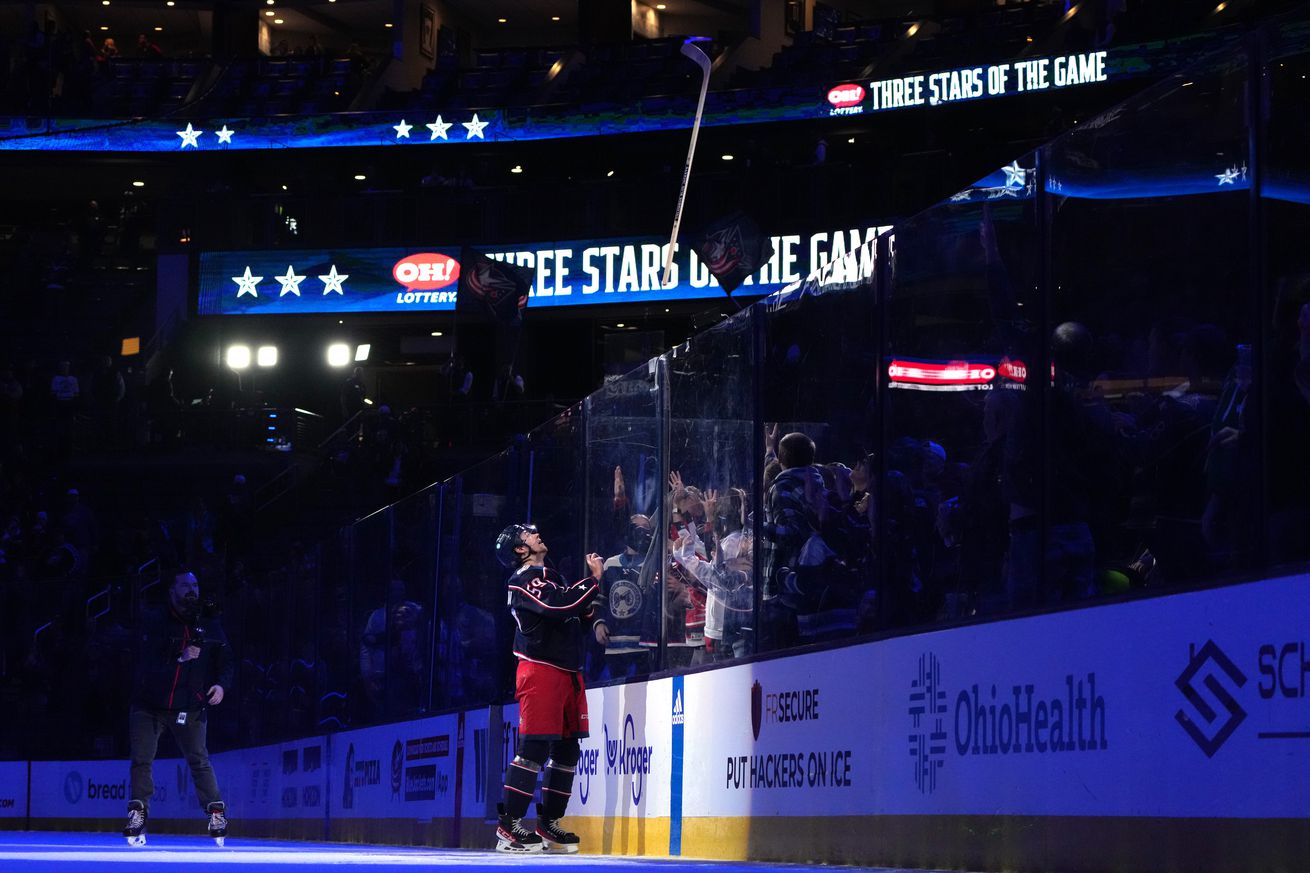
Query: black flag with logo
(733, 248)
(493, 287)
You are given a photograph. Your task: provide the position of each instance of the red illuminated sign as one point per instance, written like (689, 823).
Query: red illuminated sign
(1015, 371)
(426, 271)
(948, 375)
(842, 96)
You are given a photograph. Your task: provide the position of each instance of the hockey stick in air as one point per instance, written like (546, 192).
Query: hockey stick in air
(693, 51)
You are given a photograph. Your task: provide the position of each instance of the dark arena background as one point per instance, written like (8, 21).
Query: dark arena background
(949, 464)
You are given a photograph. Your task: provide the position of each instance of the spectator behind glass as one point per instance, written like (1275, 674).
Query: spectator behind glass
(391, 652)
(789, 523)
(65, 393)
(725, 575)
(11, 399)
(1288, 423)
(110, 48)
(622, 604)
(1083, 446)
(146, 48)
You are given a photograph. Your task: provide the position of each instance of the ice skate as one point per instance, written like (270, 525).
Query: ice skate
(513, 836)
(557, 840)
(135, 830)
(217, 823)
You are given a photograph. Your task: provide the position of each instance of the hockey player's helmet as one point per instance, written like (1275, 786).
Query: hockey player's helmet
(509, 540)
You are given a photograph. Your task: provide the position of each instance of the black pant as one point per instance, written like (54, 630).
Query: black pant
(143, 729)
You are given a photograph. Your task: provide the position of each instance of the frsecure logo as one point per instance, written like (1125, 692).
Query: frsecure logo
(782, 707)
(1208, 685)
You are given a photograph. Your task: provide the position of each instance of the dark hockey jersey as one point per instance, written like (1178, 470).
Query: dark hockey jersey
(551, 616)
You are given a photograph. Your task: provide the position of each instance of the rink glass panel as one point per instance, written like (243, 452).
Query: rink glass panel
(1153, 443)
(556, 470)
(818, 375)
(962, 319)
(278, 622)
(709, 588)
(410, 602)
(1286, 299)
(371, 572)
(473, 662)
(624, 478)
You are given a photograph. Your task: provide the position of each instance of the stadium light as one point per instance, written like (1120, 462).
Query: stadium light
(361, 353)
(266, 356)
(238, 357)
(338, 355)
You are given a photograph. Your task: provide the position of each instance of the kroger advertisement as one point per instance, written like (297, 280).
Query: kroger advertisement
(570, 273)
(624, 769)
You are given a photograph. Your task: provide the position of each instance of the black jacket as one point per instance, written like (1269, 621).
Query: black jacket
(549, 615)
(160, 681)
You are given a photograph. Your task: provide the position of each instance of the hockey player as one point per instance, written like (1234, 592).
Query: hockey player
(549, 615)
(183, 666)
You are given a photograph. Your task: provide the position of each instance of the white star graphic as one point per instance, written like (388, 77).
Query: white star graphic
(290, 282)
(246, 284)
(438, 128)
(963, 195)
(402, 129)
(1227, 176)
(474, 127)
(332, 281)
(189, 136)
(224, 135)
(1015, 175)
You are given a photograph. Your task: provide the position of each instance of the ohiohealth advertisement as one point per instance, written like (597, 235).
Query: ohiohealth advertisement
(1192, 705)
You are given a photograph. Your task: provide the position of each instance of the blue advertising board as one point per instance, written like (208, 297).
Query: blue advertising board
(426, 279)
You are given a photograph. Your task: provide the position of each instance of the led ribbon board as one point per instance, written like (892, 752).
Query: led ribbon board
(414, 128)
(970, 83)
(568, 273)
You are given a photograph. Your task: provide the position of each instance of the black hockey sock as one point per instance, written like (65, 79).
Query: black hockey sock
(520, 780)
(556, 789)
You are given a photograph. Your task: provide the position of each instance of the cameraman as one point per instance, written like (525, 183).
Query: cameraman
(183, 666)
